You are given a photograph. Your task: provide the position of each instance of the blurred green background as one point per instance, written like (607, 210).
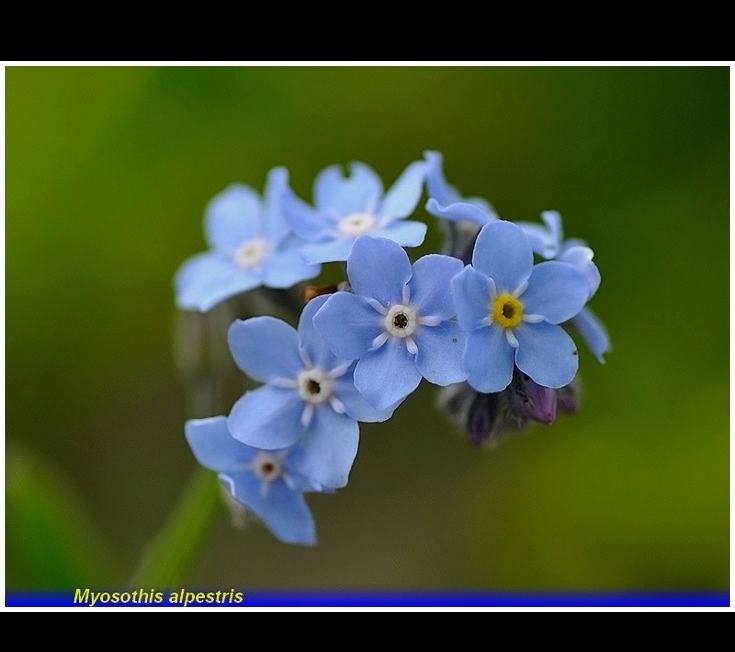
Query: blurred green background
(108, 171)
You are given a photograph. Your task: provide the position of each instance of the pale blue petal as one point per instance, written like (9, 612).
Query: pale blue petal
(307, 223)
(439, 358)
(471, 291)
(378, 269)
(327, 252)
(593, 333)
(541, 241)
(552, 219)
(556, 291)
(233, 217)
(581, 258)
(503, 253)
(265, 348)
(206, 279)
(267, 418)
(311, 342)
(387, 375)
(431, 285)
(404, 194)
(275, 226)
(357, 193)
(348, 324)
(436, 182)
(356, 405)
(406, 233)
(214, 447)
(285, 267)
(330, 446)
(460, 212)
(488, 360)
(546, 353)
(283, 511)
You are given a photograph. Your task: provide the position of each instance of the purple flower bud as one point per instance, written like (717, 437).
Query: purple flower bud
(533, 400)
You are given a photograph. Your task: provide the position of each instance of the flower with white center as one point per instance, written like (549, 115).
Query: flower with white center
(251, 245)
(398, 321)
(511, 308)
(346, 208)
(548, 242)
(309, 396)
(268, 483)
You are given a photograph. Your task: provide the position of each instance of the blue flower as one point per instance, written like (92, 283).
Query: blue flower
(549, 243)
(348, 207)
(309, 396)
(510, 310)
(398, 320)
(251, 245)
(445, 201)
(268, 483)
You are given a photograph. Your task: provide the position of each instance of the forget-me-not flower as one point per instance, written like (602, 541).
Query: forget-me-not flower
(347, 207)
(251, 245)
(309, 396)
(549, 243)
(445, 201)
(267, 482)
(511, 309)
(398, 320)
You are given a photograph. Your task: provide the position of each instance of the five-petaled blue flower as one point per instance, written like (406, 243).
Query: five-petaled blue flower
(446, 202)
(252, 245)
(268, 483)
(549, 243)
(309, 396)
(346, 208)
(398, 320)
(511, 310)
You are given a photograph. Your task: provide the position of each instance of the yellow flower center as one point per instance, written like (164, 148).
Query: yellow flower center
(507, 311)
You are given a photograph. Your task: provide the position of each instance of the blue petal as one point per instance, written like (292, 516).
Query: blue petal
(378, 269)
(541, 241)
(552, 219)
(214, 447)
(488, 360)
(286, 267)
(283, 511)
(387, 375)
(471, 291)
(206, 279)
(348, 324)
(546, 353)
(311, 342)
(265, 348)
(460, 212)
(406, 233)
(593, 333)
(439, 358)
(555, 291)
(581, 258)
(431, 285)
(306, 222)
(436, 183)
(331, 251)
(330, 446)
(357, 193)
(267, 418)
(275, 226)
(232, 217)
(503, 253)
(356, 405)
(404, 194)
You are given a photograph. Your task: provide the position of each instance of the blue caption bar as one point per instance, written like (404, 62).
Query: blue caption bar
(254, 598)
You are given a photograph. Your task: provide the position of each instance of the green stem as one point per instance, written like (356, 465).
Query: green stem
(170, 554)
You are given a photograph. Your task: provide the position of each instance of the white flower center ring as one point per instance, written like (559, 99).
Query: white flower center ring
(357, 224)
(250, 255)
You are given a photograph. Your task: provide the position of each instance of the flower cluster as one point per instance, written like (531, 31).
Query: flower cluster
(486, 320)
